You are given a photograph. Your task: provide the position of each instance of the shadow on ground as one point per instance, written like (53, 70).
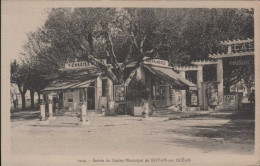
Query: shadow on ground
(237, 135)
(24, 115)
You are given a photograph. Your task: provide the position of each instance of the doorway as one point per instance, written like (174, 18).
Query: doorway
(91, 98)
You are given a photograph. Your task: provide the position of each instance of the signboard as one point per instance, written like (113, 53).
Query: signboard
(229, 101)
(239, 62)
(77, 65)
(156, 62)
(242, 47)
(119, 93)
(80, 64)
(102, 102)
(212, 93)
(239, 47)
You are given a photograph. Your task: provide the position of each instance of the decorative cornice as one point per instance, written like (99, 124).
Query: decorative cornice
(229, 42)
(204, 62)
(231, 55)
(186, 68)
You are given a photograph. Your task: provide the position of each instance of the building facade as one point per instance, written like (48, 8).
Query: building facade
(75, 86)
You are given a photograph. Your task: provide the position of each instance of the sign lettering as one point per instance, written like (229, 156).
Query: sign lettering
(239, 62)
(73, 65)
(156, 62)
(79, 65)
(243, 47)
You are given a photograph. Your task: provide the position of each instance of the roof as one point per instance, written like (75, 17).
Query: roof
(72, 80)
(223, 55)
(229, 42)
(170, 76)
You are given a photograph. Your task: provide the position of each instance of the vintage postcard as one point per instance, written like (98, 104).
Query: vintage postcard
(130, 83)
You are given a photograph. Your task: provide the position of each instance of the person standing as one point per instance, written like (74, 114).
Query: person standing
(251, 97)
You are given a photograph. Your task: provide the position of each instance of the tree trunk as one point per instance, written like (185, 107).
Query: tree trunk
(90, 42)
(227, 89)
(32, 98)
(248, 91)
(39, 98)
(23, 101)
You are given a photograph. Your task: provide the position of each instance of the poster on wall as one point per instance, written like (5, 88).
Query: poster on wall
(172, 97)
(194, 98)
(229, 102)
(212, 93)
(177, 97)
(102, 102)
(119, 93)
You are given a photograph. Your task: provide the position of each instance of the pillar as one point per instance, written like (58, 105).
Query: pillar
(229, 49)
(221, 84)
(168, 96)
(140, 74)
(42, 109)
(83, 112)
(183, 93)
(50, 98)
(98, 91)
(199, 85)
(109, 90)
(146, 109)
(50, 110)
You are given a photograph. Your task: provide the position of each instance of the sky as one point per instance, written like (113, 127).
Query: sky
(18, 20)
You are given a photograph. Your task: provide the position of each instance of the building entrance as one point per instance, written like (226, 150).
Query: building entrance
(91, 98)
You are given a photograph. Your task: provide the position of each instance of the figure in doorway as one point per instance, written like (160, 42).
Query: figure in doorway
(251, 97)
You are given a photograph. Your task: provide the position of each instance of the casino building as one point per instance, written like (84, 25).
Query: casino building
(82, 81)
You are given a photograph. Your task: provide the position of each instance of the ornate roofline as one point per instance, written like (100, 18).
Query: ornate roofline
(186, 68)
(229, 42)
(204, 62)
(231, 55)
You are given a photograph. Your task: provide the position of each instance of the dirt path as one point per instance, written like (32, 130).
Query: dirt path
(128, 135)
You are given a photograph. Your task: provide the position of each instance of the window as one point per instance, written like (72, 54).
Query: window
(157, 81)
(152, 92)
(160, 92)
(70, 96)
(158, 89)
(104, 87)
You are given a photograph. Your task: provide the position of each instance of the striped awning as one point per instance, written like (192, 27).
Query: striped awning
(62, 85)
(73, 80)
(171, 77)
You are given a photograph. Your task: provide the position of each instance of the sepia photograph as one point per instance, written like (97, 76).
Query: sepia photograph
(124, 85)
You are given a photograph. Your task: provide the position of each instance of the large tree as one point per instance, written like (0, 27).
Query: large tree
(126, 35)
(19, 76)
(122, 36)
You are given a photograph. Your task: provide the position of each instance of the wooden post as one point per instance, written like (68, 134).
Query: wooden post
(98, 91)
(146, 109)
(50, 110)
(83, 113)
(220, 85)
(183, 93)
(199, 85)
(42, 109)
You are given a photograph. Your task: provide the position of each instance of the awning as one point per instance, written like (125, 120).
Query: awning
(72, 80)
(171, 77)
(62, 85)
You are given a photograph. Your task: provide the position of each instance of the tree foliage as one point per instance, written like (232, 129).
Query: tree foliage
(127, 35)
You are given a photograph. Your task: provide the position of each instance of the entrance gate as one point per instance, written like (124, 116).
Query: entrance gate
(231, 50)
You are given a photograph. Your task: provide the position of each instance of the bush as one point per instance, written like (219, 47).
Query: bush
(137, 90)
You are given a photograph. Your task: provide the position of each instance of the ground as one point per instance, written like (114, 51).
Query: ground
(214, 133)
